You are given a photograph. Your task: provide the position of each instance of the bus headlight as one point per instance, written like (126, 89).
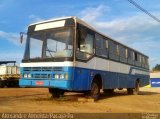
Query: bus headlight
(56, 76)
(29, 75)
(61, 76)
(66, 76)
(25, 75)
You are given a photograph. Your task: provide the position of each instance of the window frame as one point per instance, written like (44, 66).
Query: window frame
(129, 53)
(103, 49)
(77, 47)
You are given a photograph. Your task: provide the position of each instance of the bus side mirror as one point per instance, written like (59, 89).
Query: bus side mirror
(21, 36)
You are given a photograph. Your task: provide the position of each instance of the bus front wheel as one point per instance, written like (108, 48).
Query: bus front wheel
(56, 93)
(95, 90)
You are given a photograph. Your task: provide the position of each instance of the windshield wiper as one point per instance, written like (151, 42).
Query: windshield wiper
(50, 51)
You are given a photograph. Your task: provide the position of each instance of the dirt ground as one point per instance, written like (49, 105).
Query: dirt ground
(25, 100)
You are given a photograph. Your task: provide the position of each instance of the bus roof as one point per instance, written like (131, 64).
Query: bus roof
(77, 20)
(62, 18)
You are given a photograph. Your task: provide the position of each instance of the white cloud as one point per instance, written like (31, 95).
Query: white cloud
(35, 18)
(11, 56)
(139, 32)
(92, 13)
(12, 37)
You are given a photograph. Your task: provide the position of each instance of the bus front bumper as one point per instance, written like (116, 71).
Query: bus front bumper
(61, 84)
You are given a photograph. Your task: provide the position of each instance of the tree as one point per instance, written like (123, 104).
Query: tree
(156, 68)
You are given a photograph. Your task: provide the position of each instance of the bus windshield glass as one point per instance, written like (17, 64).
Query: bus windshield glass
(50, 44)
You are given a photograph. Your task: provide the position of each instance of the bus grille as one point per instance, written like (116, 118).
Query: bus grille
(42, 76)
(39, 69)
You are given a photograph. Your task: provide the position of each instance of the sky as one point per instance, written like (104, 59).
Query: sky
(117, 19)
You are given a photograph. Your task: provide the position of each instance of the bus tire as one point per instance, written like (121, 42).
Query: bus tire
(136, 89)
(56, 93)
(95, 90)
(2, 84)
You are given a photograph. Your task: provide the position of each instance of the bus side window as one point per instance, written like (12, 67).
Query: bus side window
(106, 44)
(146, 63)
(143, 62)
(137, 59)
(135, 56)
(126, 53)
(113, 50)
(117, 49)
(130, 56)
(140, 60)
(123, 54)
(85, 43)
(101, 46)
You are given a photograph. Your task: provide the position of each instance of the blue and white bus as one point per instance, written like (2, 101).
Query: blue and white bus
(67, 54)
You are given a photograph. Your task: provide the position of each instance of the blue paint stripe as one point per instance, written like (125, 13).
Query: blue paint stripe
(81, 78)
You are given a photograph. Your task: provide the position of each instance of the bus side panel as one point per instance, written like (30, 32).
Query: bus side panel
(81, 79)
(122, 80)
(141, 74)
(130, 81)
(118, 80)
(113, 80)
(145, 80)
(117, 76)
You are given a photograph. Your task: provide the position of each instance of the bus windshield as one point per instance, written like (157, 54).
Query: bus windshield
(49, 44)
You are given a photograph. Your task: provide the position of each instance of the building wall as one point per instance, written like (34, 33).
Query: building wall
(155, 79)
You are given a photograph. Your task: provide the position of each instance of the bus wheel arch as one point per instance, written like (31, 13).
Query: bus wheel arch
(97, 78)
(95, 87)
(134, 90)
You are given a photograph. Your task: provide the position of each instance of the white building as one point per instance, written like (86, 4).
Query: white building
(155, 79)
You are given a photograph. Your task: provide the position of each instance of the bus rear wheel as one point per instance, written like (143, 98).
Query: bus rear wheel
(56, 93)
(2, 85)
(95, 90)
(135, 90)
